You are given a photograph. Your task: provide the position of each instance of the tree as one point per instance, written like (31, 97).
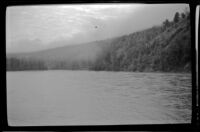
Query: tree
(166, 23)
(176, 17)
(183, 15)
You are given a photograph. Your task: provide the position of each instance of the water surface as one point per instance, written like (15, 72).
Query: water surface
(97, 98)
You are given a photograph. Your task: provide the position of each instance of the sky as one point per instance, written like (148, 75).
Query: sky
(32, 28)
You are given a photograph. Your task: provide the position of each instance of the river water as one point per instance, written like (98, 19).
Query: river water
(97, 98)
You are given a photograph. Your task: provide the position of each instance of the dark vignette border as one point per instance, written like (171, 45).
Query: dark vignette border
(193, 126)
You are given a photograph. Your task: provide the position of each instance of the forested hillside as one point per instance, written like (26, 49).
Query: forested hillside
(165, 48)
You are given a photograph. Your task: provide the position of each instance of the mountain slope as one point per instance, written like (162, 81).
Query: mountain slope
(158, 48)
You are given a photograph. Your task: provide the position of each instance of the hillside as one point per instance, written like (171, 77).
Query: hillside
(164, 48)
(155, 49)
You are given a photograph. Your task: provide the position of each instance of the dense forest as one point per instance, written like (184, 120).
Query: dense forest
(165, 48)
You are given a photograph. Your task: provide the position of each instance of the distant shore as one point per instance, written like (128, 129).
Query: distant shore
(38, 70)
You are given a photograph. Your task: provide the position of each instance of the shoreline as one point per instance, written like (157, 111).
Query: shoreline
(38, 70)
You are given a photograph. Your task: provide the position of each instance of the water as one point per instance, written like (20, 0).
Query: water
(97, 98)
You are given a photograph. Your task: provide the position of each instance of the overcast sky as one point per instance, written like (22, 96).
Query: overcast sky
(30, 28)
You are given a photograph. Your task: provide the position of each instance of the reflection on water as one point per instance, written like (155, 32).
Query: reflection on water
(89, 97)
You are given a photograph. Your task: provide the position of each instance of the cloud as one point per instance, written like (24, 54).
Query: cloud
(76, 23)
(34, 21)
